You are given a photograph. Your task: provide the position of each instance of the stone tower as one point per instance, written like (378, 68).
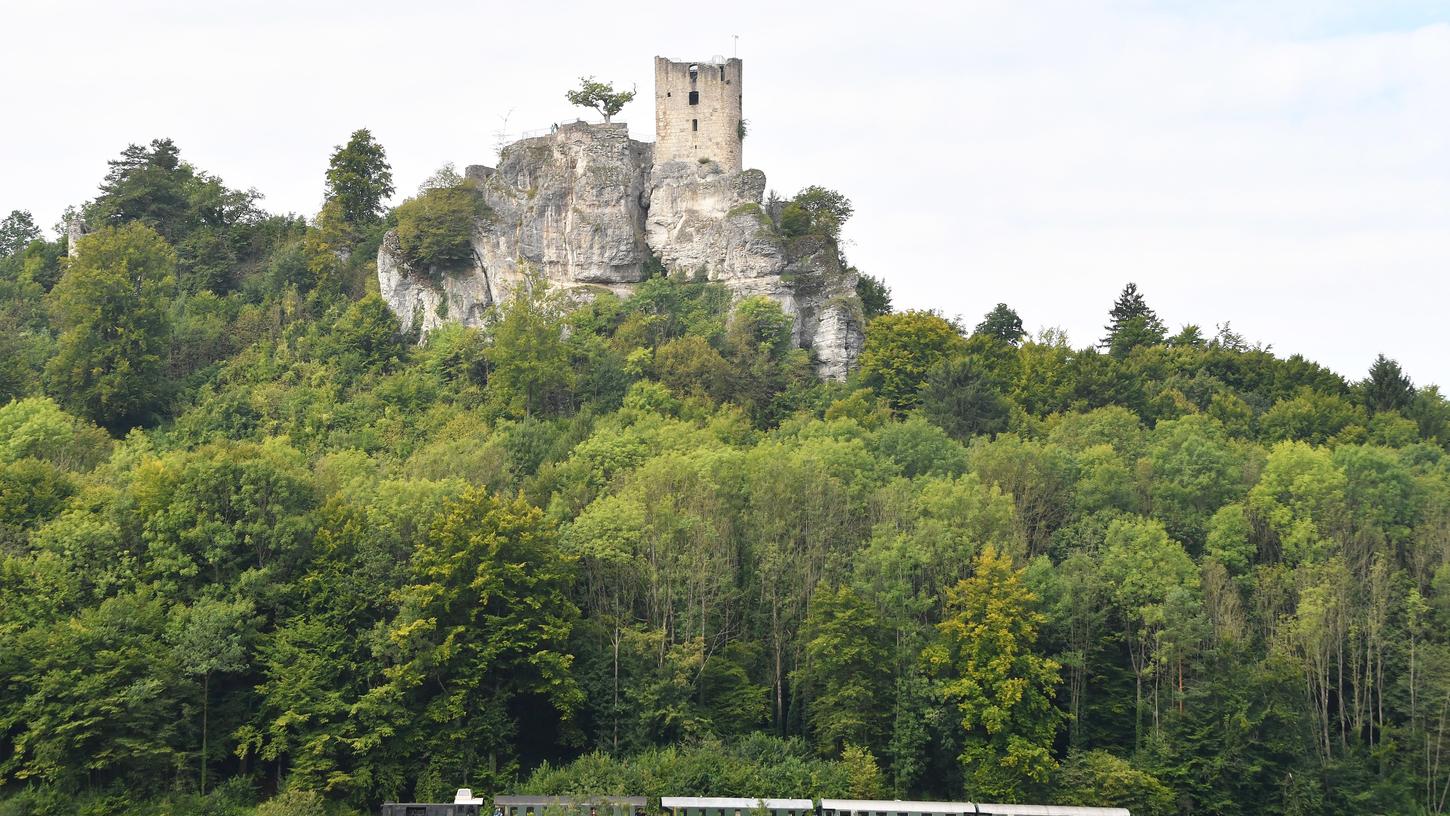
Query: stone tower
(697, 112)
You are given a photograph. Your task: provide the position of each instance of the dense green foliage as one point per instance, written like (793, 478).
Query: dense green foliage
(110, 311)
(435, 229)
(875, 296)
(359, 178)
(815, 211)
(258, 544)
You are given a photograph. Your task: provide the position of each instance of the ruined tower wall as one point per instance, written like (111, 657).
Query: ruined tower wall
(698, 112)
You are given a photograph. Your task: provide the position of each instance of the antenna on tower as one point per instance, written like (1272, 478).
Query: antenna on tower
(735, 51)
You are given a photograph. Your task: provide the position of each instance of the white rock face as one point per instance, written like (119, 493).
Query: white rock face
(568, 206)
(427, 304)
(703, 221)
(837, 340)
(586, 207)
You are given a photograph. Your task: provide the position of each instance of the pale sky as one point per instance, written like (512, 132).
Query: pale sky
(1281, 165)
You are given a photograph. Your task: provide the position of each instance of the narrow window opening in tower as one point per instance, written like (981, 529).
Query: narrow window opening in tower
(694, 124)
(694, 97)
(694, 72)
(722, 73)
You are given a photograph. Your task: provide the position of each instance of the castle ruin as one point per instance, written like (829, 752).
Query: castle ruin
(698, 107)
(591, 210)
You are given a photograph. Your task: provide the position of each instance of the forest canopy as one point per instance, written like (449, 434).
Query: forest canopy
(263, 547)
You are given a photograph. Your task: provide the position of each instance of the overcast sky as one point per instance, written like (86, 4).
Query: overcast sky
(1281, 165)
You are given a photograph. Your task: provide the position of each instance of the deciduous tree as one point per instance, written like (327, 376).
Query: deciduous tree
(435, 229)
(875, 296)
(902, 349)
(16, 231)
(111, 308)
(600, 96)
(1002, 689)
(846, 672)
(482, 629)
(1002, 323)
(359, 178)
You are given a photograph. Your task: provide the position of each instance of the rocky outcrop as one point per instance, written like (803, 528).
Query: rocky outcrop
(425, 303)
(586, 207)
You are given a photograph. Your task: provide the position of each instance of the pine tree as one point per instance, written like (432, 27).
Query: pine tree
(1387, 388)
(147, 184)
(1134, 324)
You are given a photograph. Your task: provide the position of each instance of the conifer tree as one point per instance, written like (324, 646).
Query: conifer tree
(1133, 324)
(1387, 388)
(963, 398)
(146, 184)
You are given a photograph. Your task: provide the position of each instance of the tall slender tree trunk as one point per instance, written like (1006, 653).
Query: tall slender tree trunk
(205, 700)
(1138, 709)
(616, 684)
(779, 667)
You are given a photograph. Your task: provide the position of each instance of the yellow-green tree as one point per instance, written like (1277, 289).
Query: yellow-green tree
(901, 350)
(1003, 691)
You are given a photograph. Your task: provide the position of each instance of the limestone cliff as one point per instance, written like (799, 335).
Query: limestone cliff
(586, 207)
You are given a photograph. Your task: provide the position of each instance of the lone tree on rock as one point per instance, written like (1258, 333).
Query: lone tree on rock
(600, 96)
